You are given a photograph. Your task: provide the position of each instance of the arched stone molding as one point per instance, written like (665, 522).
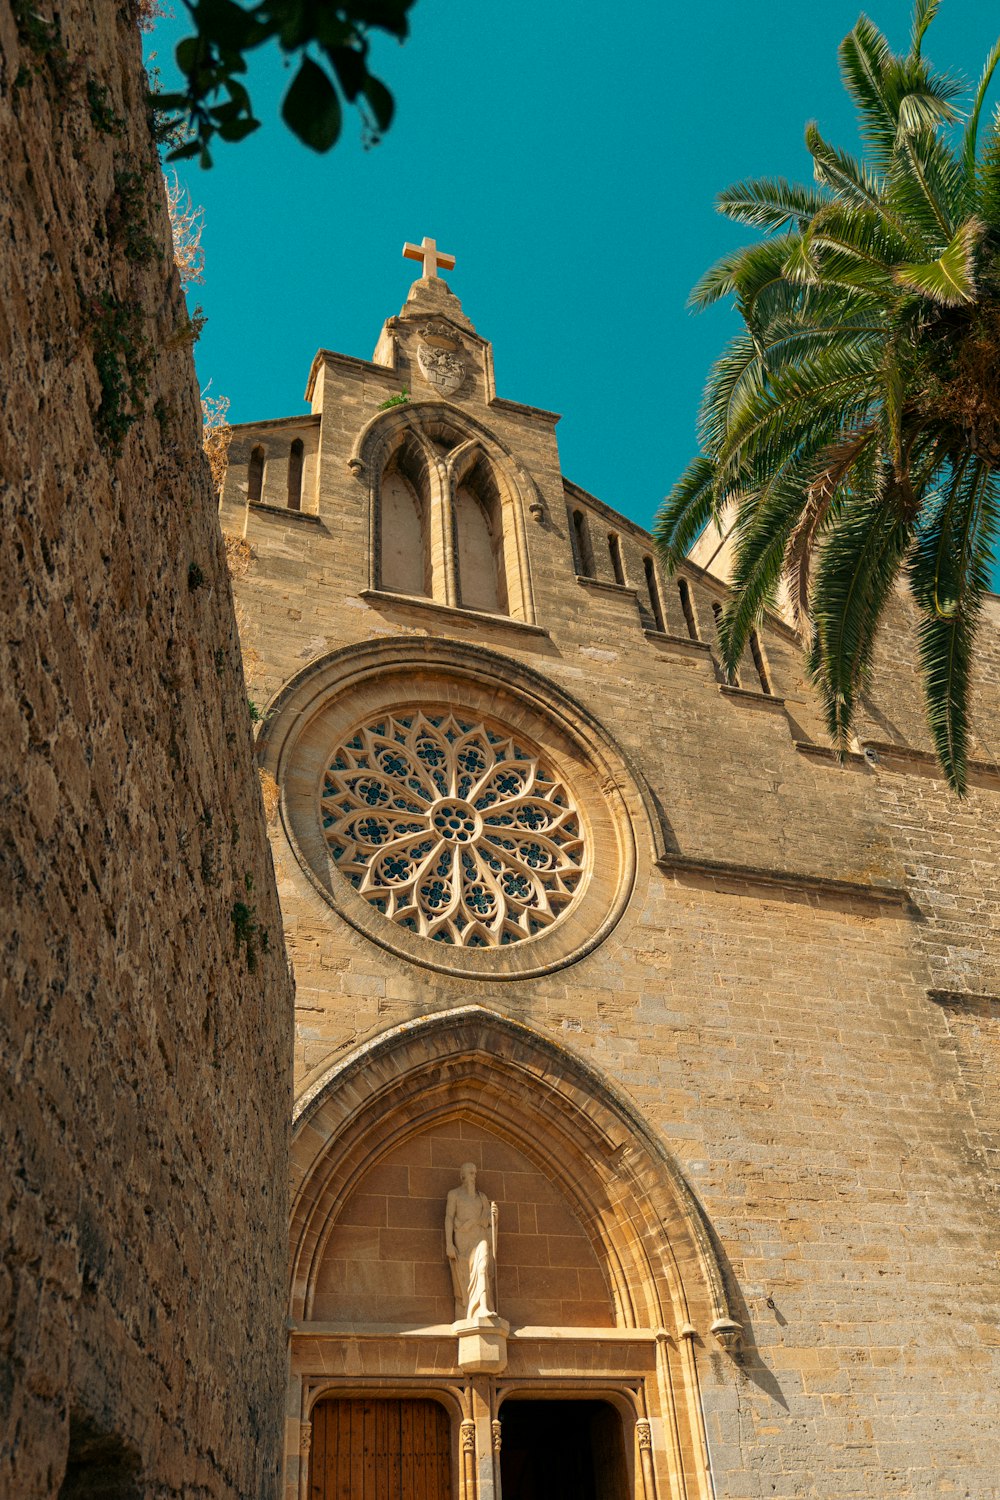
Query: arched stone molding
(453, 443)
(644, 1222)
(301, 724)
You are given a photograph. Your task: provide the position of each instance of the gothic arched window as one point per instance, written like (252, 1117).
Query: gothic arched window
(479, 544)
(295, 475)
(581, 545)
(653, 590)
(687, 608)
(615, 553)
(255, 474)
(403, 552)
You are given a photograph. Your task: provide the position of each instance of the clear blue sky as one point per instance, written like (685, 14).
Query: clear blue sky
(570, 160)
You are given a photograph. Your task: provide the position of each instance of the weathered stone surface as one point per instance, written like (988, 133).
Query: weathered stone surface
(143, 1066)
(796, 999)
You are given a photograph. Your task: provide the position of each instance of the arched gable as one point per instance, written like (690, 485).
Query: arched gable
(644, 1222)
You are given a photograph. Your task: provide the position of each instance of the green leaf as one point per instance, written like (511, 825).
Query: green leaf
(311, 107)
(858, 566)
(380, 102)
(238, 130)
(771, 203)
(685, 512)
(951, 279)
(970, 141)
(949, 576)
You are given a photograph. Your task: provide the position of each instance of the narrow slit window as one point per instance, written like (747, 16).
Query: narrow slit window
(758, 661)
(295, 475)
(652, 588)
(255, 475)
(615, 553)
(732, 678)
(687, 607)
(581, 545)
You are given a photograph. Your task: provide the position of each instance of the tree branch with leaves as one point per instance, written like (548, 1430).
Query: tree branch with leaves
(331, 41)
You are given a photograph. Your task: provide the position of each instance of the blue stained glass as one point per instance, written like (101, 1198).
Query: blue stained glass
(535, 856)
(509, 784)
(394, 764)
(436, 893)
(531, 817)
(430, 753)
(371, 830)
(395, 868)
(479, 900)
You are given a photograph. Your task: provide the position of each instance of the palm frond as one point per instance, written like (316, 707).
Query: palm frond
(839, 462)
(771, 203)
(927, 187)
(685, 512)
(949, 574)
(717, 282)
(989, 175)
(858, 565)
(839, 383)
(950, 280)
(924, 12)
(864, 60)
(764, 521)
(841, 172)
(970, 141)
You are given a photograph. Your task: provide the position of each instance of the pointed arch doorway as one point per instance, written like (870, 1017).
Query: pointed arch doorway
(606, 1277)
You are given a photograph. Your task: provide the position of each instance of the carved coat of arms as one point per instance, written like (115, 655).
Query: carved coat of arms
(439, 357)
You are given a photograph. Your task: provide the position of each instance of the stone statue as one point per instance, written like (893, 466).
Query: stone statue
(470, 1237)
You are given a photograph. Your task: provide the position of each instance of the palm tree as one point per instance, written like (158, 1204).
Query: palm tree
(851, 431)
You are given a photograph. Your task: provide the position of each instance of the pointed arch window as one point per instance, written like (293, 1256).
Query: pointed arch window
(581, 545)
(653, 590)
(615, 553)
(255, 475)
(403, 550)
(295, 455)
(687, 608)
(479, 554)
(759, 663)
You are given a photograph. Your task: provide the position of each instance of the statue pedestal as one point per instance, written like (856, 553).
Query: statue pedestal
(482, 1345)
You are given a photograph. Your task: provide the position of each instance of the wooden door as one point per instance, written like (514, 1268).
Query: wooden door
(373, 1449)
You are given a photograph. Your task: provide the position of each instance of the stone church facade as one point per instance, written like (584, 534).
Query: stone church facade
(710, 1014)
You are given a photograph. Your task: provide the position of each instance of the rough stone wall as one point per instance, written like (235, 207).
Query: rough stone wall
(144, 1049)
(798, 998)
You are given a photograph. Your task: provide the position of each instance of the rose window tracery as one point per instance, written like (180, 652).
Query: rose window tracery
(453, 828)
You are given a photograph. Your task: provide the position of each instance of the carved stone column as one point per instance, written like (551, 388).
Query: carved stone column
(644, 1437)
(497, 1432)
(468, 1439)
(305, 1444)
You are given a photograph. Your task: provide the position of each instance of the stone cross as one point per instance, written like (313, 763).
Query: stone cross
(428, 252)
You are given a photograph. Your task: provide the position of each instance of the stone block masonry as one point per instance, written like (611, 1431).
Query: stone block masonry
(144, 1025)
(797, 998)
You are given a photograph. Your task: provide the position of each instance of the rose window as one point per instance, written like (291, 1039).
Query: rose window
(454, 829)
